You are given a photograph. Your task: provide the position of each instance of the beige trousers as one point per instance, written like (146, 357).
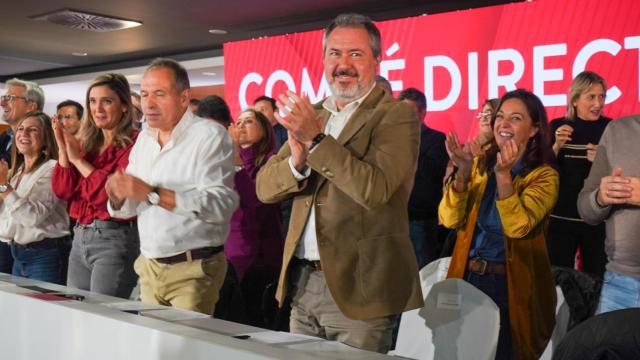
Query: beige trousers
(315, 313)
(189, 285)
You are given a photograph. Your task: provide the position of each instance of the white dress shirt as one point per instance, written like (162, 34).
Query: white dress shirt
(32, 212)
(197, 164)
(308, 246)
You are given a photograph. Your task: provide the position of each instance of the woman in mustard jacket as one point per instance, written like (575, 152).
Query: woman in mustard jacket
(500, 202)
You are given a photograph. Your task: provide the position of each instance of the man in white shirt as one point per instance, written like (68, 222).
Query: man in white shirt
(348, 165)
(179, 182)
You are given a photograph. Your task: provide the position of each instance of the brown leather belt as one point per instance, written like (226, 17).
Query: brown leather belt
(482, 267)
(316, 264)
(195, 254)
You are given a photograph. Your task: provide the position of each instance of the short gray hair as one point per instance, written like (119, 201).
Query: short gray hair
(179, 72)
(33, 92)
(351, 20)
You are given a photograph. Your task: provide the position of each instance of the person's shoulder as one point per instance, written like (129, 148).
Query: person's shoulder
(625, 123)
(544, 170)
(555, 123)
(205, 127)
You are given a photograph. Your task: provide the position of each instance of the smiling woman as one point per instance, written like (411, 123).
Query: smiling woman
(32, 219)
(501, 201)
(103, 249)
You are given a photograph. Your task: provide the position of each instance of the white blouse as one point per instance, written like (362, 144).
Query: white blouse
(32, 212)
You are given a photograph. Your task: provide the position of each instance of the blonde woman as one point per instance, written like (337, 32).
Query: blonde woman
(103, 249)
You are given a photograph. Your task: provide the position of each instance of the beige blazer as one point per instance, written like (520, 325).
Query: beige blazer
(360, 184)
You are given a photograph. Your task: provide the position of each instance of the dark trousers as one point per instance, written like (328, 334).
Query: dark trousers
(6, 260)
(495, 286)
(259, 310)
(565, 236)
(424, 238)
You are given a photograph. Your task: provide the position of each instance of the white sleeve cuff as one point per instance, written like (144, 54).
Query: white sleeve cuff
(296, 174)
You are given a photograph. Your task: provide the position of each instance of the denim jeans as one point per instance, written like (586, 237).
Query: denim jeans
(101, 259)
(43, 260)
(618, 292)
(495, 286)
(6, 260)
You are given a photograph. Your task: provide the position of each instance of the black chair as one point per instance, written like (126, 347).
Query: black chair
(610, 336)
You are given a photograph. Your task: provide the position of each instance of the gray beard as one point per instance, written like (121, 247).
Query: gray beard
(349, 94)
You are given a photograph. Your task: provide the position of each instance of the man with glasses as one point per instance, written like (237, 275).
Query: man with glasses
(69, 113)
(20, 98)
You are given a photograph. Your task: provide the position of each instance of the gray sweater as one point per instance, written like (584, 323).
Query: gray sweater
(619, 147)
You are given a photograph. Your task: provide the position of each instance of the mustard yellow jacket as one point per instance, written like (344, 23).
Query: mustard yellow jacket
(530, 285)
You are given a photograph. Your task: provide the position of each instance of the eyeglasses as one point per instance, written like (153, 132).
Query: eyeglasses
(11, 97)
(483, 114)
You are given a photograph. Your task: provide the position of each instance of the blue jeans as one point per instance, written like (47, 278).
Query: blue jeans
(495, 286)
(42, 260)
(618, 292)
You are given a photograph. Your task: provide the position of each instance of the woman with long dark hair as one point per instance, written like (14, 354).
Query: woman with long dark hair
(501, 201)
(103, 249)
(255, 243)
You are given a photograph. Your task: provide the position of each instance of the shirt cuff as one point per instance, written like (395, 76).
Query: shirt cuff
(126, 211)
(595, 204)
(295, 172)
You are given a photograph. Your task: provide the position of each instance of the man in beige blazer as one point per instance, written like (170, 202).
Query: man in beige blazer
(349, 165)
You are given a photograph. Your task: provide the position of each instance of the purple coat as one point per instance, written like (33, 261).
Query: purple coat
(255, 232)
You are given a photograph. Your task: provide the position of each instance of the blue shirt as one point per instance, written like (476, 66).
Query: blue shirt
(488, 236)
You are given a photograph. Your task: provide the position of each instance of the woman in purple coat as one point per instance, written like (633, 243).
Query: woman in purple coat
(255, 243)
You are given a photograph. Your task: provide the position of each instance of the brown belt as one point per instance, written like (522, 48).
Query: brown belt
(195, 254)
(482, 267)
(316, 264)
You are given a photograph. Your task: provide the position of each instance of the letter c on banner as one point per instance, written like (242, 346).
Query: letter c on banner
(244, 84)
(587, 51)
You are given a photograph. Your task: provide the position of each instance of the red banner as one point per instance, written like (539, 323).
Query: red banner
(461, 58)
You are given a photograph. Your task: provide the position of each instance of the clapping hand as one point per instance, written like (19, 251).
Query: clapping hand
(461, 156)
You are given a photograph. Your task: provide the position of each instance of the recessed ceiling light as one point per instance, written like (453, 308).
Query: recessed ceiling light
(217, 31)
(208, 73)
(86, 21)
(79, 54)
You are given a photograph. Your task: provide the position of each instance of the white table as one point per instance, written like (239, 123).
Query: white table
(32, 328)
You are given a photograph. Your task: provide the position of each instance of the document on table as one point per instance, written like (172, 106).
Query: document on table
(277, 337)
(168, 314)
(134, 306)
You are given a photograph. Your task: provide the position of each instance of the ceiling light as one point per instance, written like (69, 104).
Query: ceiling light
(86, 21)
(208, 73)
(217, 31)
(79, 54)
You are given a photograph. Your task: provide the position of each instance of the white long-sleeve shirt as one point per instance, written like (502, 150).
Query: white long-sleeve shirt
(32, 212)
(197, 164)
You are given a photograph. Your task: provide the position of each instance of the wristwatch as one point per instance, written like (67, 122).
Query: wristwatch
(153, 197)
(316, 140)
(4, 188)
